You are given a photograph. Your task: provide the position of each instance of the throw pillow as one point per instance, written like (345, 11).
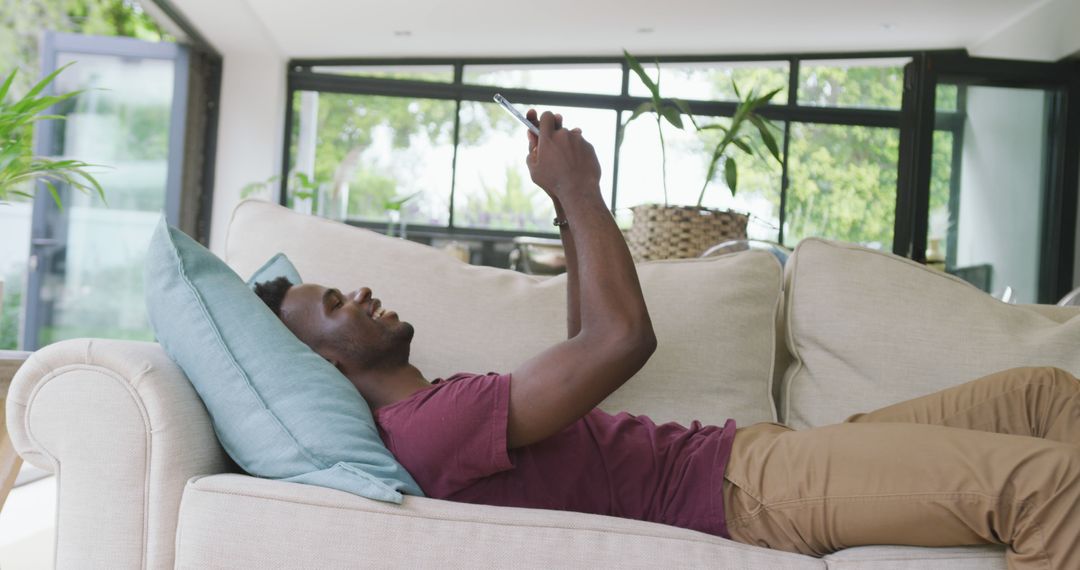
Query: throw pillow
(276, 266)
(280, 410)
(868, 329)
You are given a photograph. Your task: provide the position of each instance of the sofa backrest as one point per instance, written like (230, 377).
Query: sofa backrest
(866, 329)
(715, 318)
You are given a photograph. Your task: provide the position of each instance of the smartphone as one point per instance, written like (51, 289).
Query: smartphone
(513, 111)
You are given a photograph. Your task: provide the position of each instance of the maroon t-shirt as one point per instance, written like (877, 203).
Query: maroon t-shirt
(452, 438)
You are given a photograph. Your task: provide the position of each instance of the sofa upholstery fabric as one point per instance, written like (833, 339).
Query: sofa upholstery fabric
(228, 520)
(277, 266)
(713, 318)
(867, 329)
(124, 430)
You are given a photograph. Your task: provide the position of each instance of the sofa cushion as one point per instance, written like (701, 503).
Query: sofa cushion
(867, 329)
(233, 521)
(277, 266)
(991, 557)
(714, 318)
(280, 410)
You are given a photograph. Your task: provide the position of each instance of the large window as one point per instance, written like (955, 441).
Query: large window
(371, 134)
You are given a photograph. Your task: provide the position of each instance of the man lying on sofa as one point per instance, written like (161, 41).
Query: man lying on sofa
(996, 460)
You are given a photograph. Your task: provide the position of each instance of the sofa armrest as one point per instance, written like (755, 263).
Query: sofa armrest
(123, 429)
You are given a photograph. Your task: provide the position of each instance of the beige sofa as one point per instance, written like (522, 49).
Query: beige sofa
(143, 482)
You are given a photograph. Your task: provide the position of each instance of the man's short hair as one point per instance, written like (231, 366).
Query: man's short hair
(273, 293)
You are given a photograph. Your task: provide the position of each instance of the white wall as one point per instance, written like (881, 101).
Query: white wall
(1001, 187)
(1047, 32)
(250, 132)
(252, 112)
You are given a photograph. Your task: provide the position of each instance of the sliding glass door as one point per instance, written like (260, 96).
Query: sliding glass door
(86, 259)
(991, 195)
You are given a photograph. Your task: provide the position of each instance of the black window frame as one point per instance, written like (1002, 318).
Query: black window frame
(915, 122)
(1062, 185)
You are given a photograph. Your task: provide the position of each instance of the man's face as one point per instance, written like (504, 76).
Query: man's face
(350, 329)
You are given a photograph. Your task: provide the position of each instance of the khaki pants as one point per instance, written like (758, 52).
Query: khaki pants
(993, 461)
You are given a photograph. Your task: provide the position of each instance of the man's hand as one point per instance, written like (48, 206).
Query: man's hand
(559, 160)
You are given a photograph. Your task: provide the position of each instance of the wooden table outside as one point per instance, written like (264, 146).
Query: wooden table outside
(10, 361)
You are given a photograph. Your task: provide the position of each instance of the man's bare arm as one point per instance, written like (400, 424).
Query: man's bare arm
(573, 289)
(566, 232)
(615, 339)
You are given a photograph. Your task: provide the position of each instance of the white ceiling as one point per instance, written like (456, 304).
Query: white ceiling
(1020, 29)
(442, 28)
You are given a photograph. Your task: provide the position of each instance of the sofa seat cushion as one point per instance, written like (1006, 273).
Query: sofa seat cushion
(867, 329)
(916, 558)
(236, 521)
(714, 318)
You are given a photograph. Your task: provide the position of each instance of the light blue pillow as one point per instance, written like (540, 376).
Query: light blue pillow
(277, 266)
(280, 410)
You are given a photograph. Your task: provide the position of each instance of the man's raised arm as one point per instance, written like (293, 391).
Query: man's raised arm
(566, 232)
(566, 381)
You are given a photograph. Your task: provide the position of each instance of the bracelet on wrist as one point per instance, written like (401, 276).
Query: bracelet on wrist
(560, 222)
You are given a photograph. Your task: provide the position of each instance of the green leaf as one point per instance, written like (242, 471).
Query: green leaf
(305, 181)
(7, 85)
(716, 126)
(640, 71)
(640, 110)
(741, 142)
(40, 85)
(766, 136)
(8, 155)
(55, 194)
(672, 115)
(251, 188)
(768, 96)
(731, 174)
(395, 204)
(685, 109)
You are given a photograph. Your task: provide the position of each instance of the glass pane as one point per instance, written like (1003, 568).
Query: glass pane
(641, 178)
(993, 213)
(365, 152)
(946, 98)
(872, 83)
(842, 184)
(713, 81)
(15, 235)
(93, 283)
(940, 223)
(439, 73)
(605, 79)
(493, 189)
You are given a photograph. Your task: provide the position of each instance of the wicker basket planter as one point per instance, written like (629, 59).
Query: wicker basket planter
(680, 232)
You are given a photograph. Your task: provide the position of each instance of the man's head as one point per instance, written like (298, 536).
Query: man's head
(350, 330)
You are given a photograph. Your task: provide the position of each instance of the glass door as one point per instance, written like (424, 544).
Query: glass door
(988, 172)
(86, 259)
(988, 187)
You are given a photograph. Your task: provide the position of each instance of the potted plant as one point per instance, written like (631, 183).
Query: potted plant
(663, 231)
(18, 165)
